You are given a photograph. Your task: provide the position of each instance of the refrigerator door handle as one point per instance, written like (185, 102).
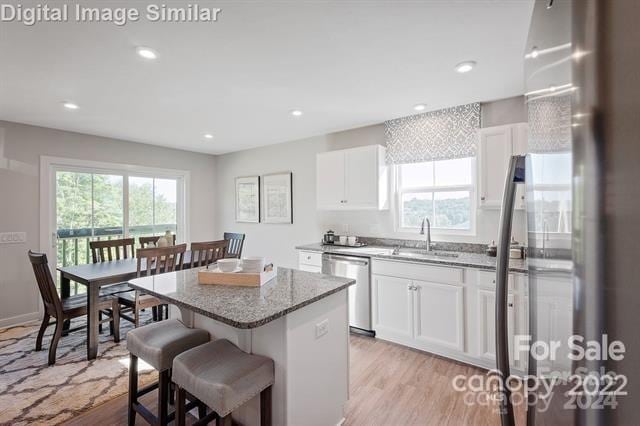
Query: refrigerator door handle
(515, 175)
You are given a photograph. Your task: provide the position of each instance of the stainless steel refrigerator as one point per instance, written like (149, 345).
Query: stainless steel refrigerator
(582, 181)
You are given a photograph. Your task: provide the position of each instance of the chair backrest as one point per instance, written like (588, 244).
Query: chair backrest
(236, 241)
(108, 250)
(144, 241)
(158, 260)
(46, 285)
(205, 253)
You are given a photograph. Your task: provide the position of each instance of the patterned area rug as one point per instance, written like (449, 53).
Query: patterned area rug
(33, 393)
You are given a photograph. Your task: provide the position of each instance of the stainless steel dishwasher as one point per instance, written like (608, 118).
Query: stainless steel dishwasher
(358, 268)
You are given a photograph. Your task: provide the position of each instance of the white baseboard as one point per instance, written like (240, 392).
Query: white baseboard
(19, 319)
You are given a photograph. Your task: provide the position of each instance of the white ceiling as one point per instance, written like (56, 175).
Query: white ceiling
(345, 64)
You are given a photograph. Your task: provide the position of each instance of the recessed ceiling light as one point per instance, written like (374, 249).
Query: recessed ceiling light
(296, 112)
(70, 105)
(465, 66)
(419, 107)
(146, 52)
(208, 136)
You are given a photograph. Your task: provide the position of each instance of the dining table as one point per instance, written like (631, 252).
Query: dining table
(94, 276)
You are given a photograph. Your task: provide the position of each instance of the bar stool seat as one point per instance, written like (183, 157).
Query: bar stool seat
(158, 344)
(223, 377)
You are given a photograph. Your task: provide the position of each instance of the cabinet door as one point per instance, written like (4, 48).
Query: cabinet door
(493, 158)
(439, 314)
(392, 308)
(487, 324)
(330, 180)
(361, 177)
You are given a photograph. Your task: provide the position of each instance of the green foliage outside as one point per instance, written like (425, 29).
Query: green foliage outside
(80, 223)
(452, 213)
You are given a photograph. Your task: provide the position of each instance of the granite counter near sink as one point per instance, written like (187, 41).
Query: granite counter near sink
(464, 259)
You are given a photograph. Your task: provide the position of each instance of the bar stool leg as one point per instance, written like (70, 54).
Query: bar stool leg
(163, 396)
(225, 421)
(181, 395)
(133, 388)
(265, 407)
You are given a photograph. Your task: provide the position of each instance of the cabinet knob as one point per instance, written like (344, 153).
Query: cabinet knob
(308, 257)
(482, 198)
(510, 305)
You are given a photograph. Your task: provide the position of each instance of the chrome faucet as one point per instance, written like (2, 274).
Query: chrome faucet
(428, 232)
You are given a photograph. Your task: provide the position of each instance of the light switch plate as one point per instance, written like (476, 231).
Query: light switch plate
(13, 237)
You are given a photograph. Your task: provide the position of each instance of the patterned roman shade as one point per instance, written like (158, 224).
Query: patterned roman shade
(549, 123)
(436, 135)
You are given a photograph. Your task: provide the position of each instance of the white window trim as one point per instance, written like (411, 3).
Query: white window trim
(410, 232)
(50, 165)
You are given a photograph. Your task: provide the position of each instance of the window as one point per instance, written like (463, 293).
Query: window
(551, 173)
(438, 190)
(95, 205)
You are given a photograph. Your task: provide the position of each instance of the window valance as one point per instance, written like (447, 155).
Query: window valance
(436, 135)
(549, 124)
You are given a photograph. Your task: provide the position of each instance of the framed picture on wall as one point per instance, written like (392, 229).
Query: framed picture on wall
(248, 199)
(277, 198)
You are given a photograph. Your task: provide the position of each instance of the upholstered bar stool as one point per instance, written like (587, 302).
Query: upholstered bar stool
(224, 378)
(158, 344)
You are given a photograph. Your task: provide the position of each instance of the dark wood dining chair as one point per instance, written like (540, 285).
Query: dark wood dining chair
(152, 261)
(66, 309)
(206, 253)
(236, 241)
(108, 251)
(144, 241)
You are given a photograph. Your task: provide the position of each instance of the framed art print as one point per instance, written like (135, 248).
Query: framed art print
(277, 198)
(248, 199)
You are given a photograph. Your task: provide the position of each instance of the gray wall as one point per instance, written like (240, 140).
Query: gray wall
(278, 241)
(19, 188)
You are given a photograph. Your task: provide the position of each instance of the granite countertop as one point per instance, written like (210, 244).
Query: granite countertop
(242, 307)
(463, 259)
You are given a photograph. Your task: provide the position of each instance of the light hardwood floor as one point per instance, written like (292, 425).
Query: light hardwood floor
(389, 385)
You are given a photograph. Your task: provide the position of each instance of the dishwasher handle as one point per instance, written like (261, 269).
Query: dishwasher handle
(347, 259)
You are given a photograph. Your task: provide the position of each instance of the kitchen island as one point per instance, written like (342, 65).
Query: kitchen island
(299, 319)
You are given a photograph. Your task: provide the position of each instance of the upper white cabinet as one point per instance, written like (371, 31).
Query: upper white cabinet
(496, 146)
(352, 179)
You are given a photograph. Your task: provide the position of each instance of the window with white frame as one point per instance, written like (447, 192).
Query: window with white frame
(103, 203)
(442, 191)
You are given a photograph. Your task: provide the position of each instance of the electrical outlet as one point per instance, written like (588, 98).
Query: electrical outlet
(322, 328)
(13, 237)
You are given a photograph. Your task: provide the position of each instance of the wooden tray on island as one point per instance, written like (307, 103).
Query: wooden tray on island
(244, 279)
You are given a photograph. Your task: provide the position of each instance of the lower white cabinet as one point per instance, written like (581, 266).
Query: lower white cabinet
(448, 311)
(310, 261)
(393, 308)
(439, 314)
(422, 314)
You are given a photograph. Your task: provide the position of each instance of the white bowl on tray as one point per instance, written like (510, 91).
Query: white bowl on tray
(253, 264)
(228, 265)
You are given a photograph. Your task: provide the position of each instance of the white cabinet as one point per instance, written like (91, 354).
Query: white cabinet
(423, 314)
(487, 324)
(393, 306)
(310, 261)
(330, 179)
(439, 314)
(352, 179)
(496, 146)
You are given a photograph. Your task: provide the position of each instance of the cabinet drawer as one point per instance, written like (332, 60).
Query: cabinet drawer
(415, 271)
(488, 279)
(310, 258)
